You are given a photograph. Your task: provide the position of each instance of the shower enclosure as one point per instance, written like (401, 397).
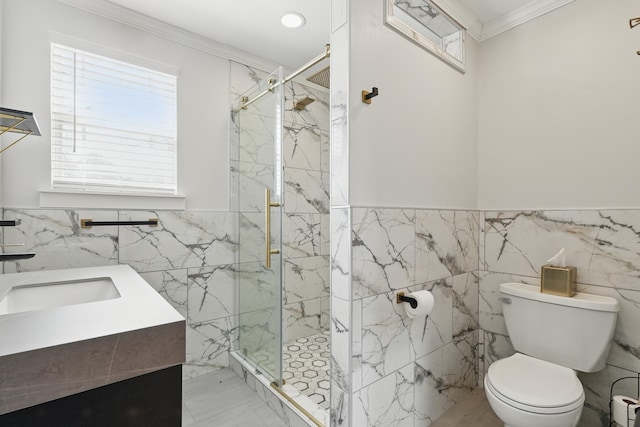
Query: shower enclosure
(280, 150)
(258, 199)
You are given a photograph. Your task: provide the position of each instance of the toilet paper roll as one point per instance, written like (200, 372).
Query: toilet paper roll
(424, 307)
(623, 413)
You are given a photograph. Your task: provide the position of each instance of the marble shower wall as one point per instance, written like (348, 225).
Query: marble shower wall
(403, 371)
(305, 222)
(604, 245)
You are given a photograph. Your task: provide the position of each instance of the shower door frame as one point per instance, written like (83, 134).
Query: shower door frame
(264, 265)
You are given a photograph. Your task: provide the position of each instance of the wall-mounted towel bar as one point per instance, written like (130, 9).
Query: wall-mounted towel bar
(88, 223)
(10, 223)
(13, 257)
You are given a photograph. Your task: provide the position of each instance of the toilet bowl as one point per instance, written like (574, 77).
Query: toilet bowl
(554, 336)
(527, 392)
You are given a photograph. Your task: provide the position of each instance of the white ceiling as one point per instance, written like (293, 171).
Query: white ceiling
(254, 25)
(488, 10)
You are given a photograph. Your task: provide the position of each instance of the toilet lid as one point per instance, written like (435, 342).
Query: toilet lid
(534, 382)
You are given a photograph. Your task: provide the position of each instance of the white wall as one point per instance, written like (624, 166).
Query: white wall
(203, 105)
(415, 145)
(558, 111)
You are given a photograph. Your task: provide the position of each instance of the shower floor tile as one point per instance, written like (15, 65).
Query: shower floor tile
(306, 367)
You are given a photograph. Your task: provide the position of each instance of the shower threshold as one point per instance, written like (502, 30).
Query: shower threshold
(305, 393)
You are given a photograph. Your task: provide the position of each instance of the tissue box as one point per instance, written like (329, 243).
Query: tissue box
(558, 280)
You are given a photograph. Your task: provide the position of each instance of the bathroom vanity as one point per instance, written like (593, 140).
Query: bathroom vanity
(91, 346)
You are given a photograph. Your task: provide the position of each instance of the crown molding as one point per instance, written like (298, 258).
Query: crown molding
(519, 16)
(158, 28)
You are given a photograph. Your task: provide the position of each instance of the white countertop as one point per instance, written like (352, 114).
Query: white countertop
(138, 307)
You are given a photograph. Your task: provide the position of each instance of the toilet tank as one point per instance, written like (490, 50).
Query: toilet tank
(575, 332)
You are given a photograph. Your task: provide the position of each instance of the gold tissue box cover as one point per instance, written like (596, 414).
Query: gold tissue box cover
(558, 280)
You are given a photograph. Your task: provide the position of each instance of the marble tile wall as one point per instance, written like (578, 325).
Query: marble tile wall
(403, 371)
(603, 245)
(305, 222)
(188, 258)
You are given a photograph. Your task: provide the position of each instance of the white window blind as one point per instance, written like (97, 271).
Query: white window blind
(113, 125)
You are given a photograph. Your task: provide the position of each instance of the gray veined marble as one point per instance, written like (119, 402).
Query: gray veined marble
(211, 293)
(465, 303)
(256, 137)
(387, 402)
(251, 234)
(58, 240)
(603, 245)
(208, 346)
(306, 191)
(386, 337)
(446, 243)
(435, 330)
(339, 163)
(243, 77)
(325, 234)
(257, 330)
(256, 286)
(445, 377)
(301, 235)
(597, 387)
(383, 250)
(306, 278)
(340, 372)
(625, 350)
(301, 319)
(172, 285)
(181, 240)
(340, 253)
(252, 179)
(302, 146)
(315, 114)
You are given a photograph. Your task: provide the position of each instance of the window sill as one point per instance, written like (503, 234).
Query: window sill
(87, 200)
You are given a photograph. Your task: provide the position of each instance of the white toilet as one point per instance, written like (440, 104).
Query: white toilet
(554, 336)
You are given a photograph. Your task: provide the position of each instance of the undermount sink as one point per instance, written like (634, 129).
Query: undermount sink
(57, 294)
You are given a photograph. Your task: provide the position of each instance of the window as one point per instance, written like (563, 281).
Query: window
(423, 22)
(113, 125)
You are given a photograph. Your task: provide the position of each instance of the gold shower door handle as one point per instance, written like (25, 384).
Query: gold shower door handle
(267, 227)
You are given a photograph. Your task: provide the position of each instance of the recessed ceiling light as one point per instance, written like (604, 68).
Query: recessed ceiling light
(292, 20)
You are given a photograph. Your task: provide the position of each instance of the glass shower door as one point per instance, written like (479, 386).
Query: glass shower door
(258, 199)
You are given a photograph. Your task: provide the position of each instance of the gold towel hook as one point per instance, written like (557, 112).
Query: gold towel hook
(634, 22)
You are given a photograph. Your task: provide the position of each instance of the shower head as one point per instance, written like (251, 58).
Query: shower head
(321, 77)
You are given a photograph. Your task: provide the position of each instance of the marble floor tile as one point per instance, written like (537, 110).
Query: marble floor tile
(474, 411)
(222, 399)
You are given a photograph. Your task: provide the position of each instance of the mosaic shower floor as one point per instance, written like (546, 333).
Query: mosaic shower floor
(306, 367)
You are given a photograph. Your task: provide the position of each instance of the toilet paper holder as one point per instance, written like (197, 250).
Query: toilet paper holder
(400, 298)
(629, 422)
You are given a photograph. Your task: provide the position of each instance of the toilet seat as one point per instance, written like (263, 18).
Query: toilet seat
(534, 385)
